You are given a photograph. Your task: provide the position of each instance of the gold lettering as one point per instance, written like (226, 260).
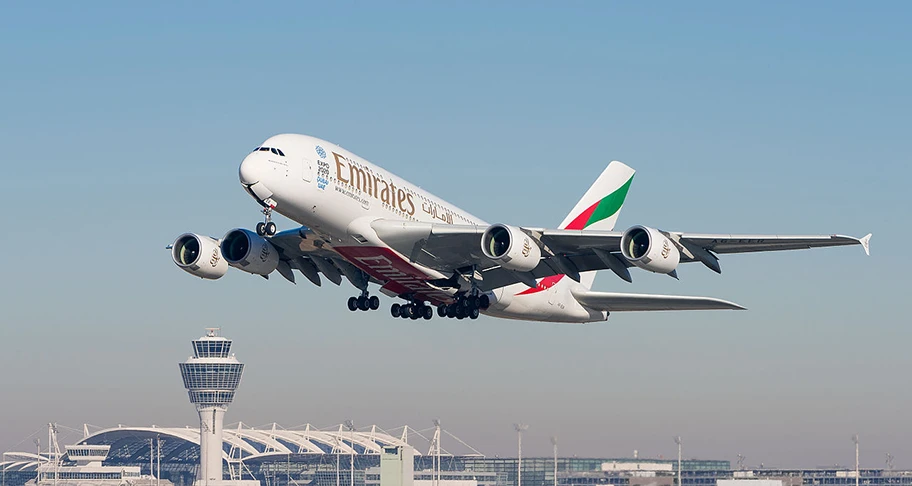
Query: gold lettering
(400, 198)
(339, 159)
(358, 178)
(385, 192)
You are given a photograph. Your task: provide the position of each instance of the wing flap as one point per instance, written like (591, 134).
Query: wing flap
(621, 302)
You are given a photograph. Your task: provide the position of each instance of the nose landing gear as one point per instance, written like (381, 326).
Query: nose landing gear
(267, 227)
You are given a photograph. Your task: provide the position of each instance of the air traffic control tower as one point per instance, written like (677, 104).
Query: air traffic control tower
(211, 376)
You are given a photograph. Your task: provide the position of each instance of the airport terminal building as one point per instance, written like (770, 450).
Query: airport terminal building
(315, 457)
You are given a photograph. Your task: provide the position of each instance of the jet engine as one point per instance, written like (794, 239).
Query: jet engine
(650, 250)
(199, 256)
(250, 252)
(510, 247)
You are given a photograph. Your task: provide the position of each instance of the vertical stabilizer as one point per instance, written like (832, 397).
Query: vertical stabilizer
(600, 206)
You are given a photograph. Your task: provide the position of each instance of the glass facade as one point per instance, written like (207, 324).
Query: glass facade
(212, 348)
(212, 376)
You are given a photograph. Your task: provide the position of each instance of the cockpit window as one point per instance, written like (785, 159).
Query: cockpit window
(270, 149)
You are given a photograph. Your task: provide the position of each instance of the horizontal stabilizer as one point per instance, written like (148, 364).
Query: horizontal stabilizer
(618, 302)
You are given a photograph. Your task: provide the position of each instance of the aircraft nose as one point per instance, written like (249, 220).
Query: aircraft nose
(248, 172)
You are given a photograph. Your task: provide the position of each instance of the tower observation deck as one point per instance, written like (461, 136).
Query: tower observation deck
(211, 377)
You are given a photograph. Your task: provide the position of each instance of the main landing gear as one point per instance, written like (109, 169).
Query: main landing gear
(267, 227)
(415, 310)
(363, 302)
(467, 306)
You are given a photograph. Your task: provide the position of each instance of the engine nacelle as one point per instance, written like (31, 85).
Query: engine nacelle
(250, 252)
(510, 247)
(650, 250)
(199, 256)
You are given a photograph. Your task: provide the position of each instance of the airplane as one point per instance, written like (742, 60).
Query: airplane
(362, 222)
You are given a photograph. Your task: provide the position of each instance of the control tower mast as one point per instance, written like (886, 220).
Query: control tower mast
(211, 377)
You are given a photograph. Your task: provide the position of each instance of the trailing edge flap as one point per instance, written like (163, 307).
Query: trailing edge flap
(618, 302)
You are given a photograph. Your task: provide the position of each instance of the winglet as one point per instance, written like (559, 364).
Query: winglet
(866, 243)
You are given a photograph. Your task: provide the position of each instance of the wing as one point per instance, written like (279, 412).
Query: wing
(615, 302)
(457, 249)
(301, 249)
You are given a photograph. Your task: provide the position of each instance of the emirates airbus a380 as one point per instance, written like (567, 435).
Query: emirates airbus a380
(370, 226)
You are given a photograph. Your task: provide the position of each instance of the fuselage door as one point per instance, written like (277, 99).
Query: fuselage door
(307, 170)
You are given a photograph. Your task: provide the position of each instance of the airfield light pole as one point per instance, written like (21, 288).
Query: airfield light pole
(855, 440)
(437, 437)
(351, 430)
(678, 441)
(554, 443)
(38, 461)
(158, 459)
(520, 428)
(338, 455)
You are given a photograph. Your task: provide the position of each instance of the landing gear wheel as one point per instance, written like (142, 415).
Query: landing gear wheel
(363, 304)
(394, 310)
(442, 310)
(270, 229)
(261, 229)
(352, 304)
(404, 311)
(427, 312)
(451, 311)
(473, 313)
(373, 302)
(471, 302)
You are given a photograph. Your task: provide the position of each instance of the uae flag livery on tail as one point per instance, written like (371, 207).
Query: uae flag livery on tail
(597, 210)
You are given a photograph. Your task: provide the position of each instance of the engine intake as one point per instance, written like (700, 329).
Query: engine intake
(510, 247)
(199, 256)
(245, 250)
(649, 249)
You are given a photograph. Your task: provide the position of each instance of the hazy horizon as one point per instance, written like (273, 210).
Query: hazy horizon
(123, 127)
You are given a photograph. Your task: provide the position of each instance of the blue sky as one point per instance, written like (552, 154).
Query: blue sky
(123, 127)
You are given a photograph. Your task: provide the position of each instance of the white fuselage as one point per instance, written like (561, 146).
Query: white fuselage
(337, 195)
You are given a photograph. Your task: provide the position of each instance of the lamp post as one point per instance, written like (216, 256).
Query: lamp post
(554, 444)
(437, 466)
(38, 461)
(855, 440)
(520, 428)
(679, 442)
(351, 430)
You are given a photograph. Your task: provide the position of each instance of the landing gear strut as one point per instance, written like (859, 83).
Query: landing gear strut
(363, 302)
(267, 227)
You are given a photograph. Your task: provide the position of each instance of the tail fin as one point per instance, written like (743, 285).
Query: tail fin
(600, 206)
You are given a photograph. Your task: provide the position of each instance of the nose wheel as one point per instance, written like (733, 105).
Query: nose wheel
(267, 227)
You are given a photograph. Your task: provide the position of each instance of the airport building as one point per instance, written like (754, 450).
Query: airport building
(211, 454)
